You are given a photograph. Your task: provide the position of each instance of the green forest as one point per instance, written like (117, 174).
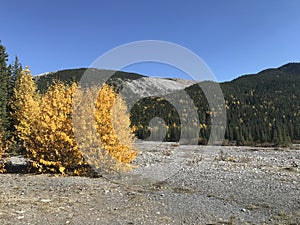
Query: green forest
(262, 109)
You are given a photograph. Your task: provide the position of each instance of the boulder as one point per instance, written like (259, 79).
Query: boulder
(18, 164)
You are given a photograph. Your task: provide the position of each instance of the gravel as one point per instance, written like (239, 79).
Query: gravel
(173, 184)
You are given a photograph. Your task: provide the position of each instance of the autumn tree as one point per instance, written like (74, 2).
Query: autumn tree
(45, 124)
(26, 105)
(113, 125)
(52, 144)
(105, 136)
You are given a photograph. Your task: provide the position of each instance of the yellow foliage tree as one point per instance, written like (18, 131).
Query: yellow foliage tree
(45, 126)
(113, 125)
(52, 144)
(26, 105)
(105, 136)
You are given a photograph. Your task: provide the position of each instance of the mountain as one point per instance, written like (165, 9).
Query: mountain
(262, 108)
(152, 86)
(74, 75)
(134, 83)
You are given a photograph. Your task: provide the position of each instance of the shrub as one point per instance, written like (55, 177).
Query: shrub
(3, 149)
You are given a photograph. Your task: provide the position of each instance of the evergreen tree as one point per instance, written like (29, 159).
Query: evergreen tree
(4, 91)
(15, 70)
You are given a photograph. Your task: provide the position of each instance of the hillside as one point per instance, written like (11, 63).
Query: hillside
(269, 106)
(262, 108)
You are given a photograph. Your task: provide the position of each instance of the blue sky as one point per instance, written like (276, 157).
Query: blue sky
(233, 37)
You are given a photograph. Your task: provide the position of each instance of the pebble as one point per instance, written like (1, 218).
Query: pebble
(45, 200)
(20, 212)
(20, 217)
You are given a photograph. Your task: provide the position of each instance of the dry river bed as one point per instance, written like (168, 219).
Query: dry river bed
(173, 184)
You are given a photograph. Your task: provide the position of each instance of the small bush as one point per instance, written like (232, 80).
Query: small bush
(2, 151)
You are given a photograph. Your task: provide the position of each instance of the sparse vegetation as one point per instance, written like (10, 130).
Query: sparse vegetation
(251, 207)
(2, 151)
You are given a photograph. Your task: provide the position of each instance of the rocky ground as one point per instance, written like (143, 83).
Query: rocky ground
(173, 184)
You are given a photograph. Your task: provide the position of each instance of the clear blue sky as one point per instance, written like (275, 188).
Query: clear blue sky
(233, 37)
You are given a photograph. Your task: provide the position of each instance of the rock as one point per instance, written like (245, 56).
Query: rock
(18, 164)
(20, 212)
(294, 164)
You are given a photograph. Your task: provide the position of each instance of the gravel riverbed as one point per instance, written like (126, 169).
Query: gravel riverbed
(172, 184)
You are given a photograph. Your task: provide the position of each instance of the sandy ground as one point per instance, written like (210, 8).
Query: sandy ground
(173, 184)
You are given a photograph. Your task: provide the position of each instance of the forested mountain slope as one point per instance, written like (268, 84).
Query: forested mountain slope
(262, 108)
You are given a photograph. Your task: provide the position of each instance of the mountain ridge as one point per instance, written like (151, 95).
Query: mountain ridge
(292, 67)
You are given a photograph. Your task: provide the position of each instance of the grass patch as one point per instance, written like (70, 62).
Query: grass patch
(251, 207)
(291, 170)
